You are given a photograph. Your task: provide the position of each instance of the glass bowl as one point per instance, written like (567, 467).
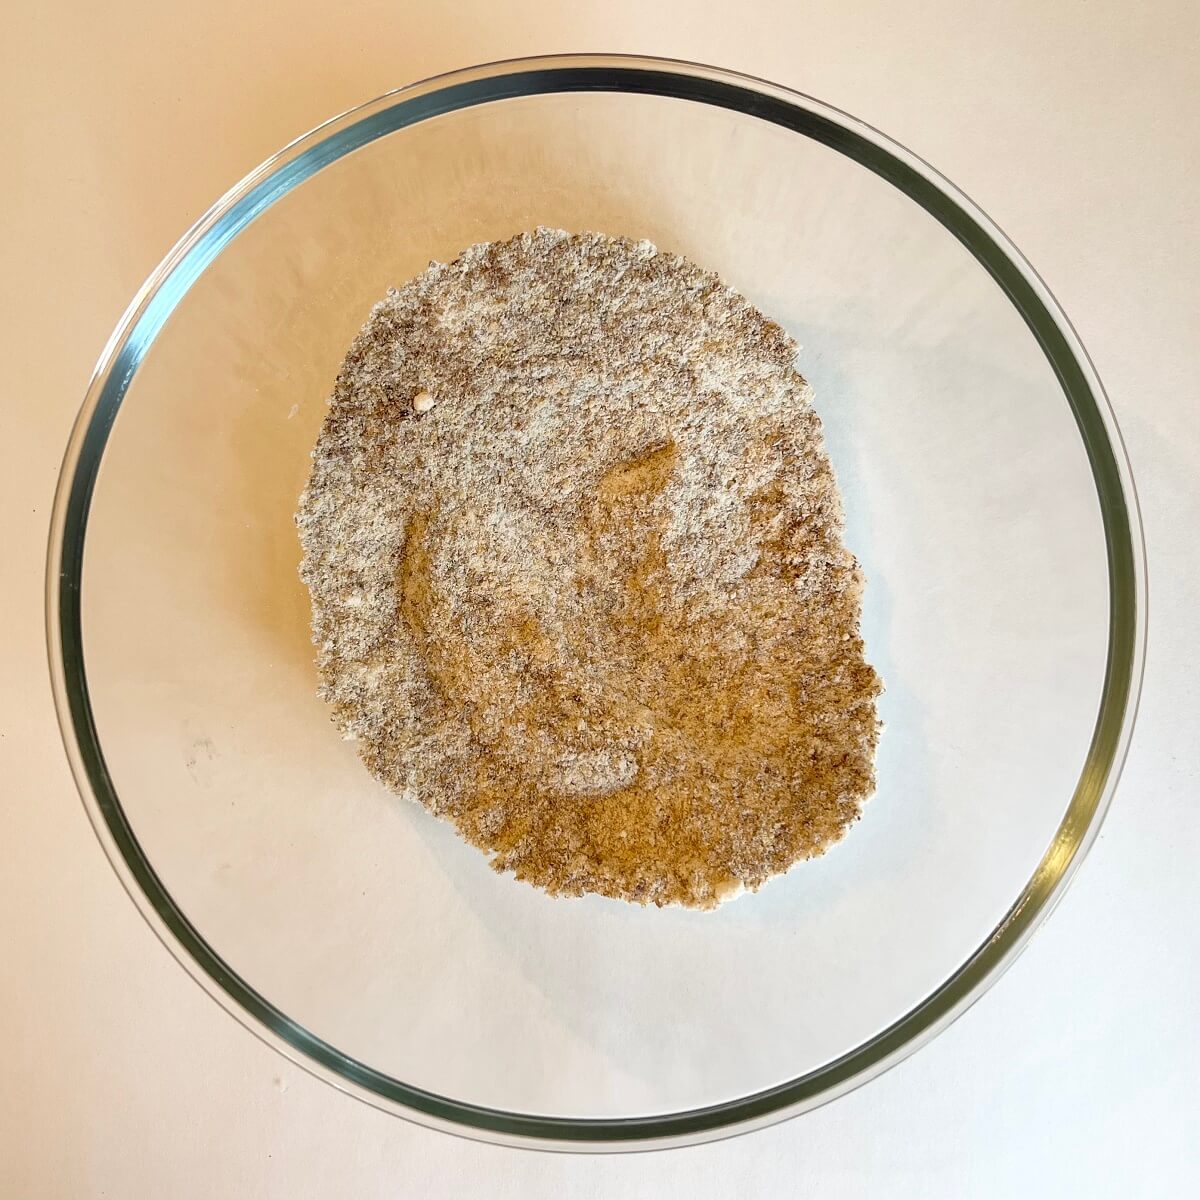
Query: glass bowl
(987, 498)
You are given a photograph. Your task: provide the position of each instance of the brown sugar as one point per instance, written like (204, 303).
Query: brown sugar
(575, 554)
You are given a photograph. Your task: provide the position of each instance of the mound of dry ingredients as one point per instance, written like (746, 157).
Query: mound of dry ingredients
(578, 583)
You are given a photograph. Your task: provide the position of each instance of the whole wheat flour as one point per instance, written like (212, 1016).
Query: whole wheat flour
(575, 555)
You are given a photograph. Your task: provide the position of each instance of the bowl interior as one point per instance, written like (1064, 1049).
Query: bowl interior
(970, 502)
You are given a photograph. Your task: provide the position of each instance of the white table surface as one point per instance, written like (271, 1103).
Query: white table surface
(1074, 124)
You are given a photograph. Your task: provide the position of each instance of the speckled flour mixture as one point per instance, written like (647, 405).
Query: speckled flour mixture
(578, 583)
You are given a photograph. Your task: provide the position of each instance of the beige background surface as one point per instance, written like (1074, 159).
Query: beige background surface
(1074, 125)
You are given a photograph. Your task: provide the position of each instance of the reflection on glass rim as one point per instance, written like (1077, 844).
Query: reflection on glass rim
(704, 85)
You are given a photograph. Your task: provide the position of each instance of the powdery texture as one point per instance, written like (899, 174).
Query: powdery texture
(587, 597)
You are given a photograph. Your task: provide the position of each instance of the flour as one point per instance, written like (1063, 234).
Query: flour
(575, 554)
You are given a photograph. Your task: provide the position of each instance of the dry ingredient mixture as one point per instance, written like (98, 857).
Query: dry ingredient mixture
(575, 554)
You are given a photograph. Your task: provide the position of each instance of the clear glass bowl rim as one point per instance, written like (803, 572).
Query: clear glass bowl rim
(757, 98)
